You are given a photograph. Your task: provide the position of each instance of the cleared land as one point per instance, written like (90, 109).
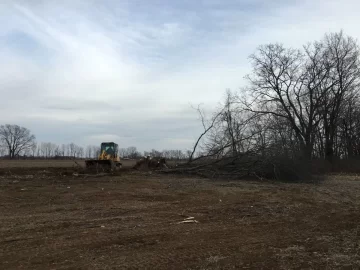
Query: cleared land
(51, 219)
(4, 164)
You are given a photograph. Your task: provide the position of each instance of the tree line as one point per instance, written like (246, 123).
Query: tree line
(132, 153)
(298, 105)
(307, 101)
(18, 142)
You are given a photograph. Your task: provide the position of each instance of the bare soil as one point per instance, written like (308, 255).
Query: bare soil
(52, 219)
(50, 163)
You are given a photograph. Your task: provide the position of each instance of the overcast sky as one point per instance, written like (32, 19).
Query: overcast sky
(88, 71)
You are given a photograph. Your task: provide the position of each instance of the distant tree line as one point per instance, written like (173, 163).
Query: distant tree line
(132, 153)
(18, 142)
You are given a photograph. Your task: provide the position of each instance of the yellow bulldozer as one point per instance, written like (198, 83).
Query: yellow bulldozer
(108, 159)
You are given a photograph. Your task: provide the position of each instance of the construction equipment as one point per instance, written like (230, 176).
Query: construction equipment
(108, 159)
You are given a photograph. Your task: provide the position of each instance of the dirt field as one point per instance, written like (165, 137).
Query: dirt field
(51, 219)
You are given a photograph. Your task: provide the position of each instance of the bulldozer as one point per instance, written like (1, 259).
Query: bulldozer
(108, 160)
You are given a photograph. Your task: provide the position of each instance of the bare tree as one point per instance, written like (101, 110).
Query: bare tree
(80, 152)
(2, 150)
(96, 151)
(349, 128)
(188, 154)
(72, 149)
(34, 148)
(207, 125)
(155, 153)
(293, 107)
(342, 55)
(286, 85)
(63, 150)
(129, 152)
(56, 150)
(16, 139)
(89, 150)
(122, 152)
(173, 154)
(38, 151)
(49, 149)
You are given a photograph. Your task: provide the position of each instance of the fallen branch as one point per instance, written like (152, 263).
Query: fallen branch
(91, 175)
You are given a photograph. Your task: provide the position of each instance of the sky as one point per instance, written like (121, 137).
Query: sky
(131, 71)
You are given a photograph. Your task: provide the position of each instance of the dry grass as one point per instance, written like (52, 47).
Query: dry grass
(131, 220)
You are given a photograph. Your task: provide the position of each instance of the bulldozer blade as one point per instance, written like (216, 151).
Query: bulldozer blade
(103, 165)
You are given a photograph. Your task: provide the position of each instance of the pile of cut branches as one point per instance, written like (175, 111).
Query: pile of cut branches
(245, 165)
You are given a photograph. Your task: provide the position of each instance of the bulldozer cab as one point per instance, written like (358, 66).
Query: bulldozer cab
(110, 148)
(108, 158)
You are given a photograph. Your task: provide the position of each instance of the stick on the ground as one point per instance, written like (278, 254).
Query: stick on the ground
(91, 175)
